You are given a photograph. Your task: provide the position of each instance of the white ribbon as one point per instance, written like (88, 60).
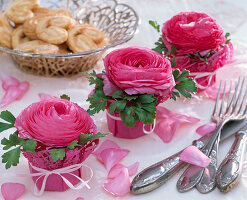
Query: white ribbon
(68, 170)
(198, 75)
(144, 130)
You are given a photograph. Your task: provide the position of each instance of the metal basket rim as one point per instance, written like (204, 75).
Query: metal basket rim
(80, 54)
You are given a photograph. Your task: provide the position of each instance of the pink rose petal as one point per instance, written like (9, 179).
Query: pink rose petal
(14, 89)
(133, 168)
(111, 157)
(8, 81)
(206, 128)
(12, 191)
(212, 92)
(170, 122)
(116, 169)
(44, 96)
(194, 156)
(165, 113)
(80, 198)
(166, 129)
(107, 144)
(120, 185)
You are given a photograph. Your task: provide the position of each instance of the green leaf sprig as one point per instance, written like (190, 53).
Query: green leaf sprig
(59, 153)
(11, 158)
(132, 108)
(184, 85)
(98, 100)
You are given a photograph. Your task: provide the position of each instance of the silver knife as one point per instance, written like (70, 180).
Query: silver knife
(156, 175)
(229, 172)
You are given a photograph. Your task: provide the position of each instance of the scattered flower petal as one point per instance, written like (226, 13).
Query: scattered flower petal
(212, 92)
(107, 144)
(8, 81)
(120, 185)
(133, 168)
(170, 122)
(12, 191)
(80, 198)
(44, 96)
(14, 89)
(165, 113)
(206, 128)
(166, 129)
(111, 157)
(194, 156)
(116, 169)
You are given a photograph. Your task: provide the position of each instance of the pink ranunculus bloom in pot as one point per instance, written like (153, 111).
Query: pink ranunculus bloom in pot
(191, 32)
(198, 44)
(54, 122)
(138, 70)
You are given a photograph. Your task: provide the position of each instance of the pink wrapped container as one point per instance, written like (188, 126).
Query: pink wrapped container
(216, 61)
(118, 129)
(43, 160)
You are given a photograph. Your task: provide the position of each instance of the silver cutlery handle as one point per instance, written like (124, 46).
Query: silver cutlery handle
(193, 174)
(157, 174)
(207, 182)
(231, 167)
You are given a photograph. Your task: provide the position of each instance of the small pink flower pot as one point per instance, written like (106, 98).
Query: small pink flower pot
(54, 182)
(43, 160)
(118, 129)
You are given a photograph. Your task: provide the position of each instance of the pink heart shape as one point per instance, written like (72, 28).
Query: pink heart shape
(12, 191)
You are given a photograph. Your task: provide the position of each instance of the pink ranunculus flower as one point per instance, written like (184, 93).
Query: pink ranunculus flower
(138, 70)
(54, 122)
(192, 32)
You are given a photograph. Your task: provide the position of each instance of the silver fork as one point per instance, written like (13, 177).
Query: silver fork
(235, 110)
(208, 181)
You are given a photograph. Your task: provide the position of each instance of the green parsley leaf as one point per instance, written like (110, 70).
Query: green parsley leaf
(173, 62)
(160, 46)
(57, 154)
(7, 116)
(5, 126)
(65, 96)
(184, 85)
(155, 25)
(174, 95)
(119, 94)
(129, 119)
(146, 98)
(98, 100)
(29, 146)
(85, 138)
(173, 50)
(117, 105)
(73, 144)
(227, 35)
(11, 158)
(227, 41)
(13, 140)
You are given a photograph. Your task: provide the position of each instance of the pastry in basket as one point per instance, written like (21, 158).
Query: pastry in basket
(52, 26)
(18, 37)
(5, 31)
(56, 136)
(53, 29)
(47, 11)
(38, 46)
(19, 11)
(85, 38)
